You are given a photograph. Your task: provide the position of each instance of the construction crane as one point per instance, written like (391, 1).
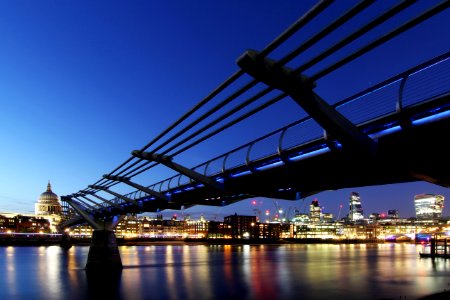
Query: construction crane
(288, 213)
(278, 210)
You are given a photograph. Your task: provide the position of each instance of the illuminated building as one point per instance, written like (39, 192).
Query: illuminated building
(241, 226)
(129, 226)
(300, 218)
(374, 217)
(315, 211)
(196, 228)
(354, 231)
(317, 231)
(393, 214)
(327, 217)
(23, 223)
(82, 230)
(355, 211)
(258, 230)
(218, 229)
(49, 207)
(428, 206)
(159, 228)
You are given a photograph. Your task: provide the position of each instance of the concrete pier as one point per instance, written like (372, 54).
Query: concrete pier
(103, 252)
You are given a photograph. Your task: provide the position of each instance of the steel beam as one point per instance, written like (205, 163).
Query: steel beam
(75, 196)
(127, 180)
(99, 206)
(71, 222)
(300, 89)
(115, 194)
(77, 207)
(104, 200)
(90, 200)
(167, 161)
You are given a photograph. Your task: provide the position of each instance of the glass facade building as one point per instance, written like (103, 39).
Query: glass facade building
(355, 210)
(428, 206)
(315, 211)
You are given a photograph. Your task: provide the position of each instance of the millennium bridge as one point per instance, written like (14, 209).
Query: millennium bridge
(392, 132)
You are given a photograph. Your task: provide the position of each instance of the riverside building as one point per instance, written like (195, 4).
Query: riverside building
(314, 225)
(428, 206)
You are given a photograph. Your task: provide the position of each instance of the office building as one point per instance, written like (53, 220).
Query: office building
(355, 210)
(428, 206)
(315, 211)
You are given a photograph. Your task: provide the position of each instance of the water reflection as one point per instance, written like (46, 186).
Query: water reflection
(372, 271)
(10, 268)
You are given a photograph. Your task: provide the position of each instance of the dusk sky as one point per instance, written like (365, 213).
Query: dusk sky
(83, 83)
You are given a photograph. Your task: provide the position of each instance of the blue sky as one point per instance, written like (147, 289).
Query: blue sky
(83, 83)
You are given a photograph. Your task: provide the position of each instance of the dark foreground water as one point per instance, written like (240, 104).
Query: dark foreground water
(372, 271)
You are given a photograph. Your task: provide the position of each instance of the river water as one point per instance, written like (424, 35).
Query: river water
(294, 271)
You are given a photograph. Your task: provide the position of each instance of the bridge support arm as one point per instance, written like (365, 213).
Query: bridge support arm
(138, 186)
(83, 195)
(300, 89)
(167, 161)
(115, 194)
(77, 207)
(75, 196)
(104, 200)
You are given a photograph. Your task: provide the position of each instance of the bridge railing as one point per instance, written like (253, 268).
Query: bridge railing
(426, 83)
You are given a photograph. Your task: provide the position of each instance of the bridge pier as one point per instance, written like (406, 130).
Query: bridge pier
(65, 243)
(103, 252)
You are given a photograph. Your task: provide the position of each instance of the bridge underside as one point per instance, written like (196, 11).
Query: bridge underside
(397, 160)
(406, 155)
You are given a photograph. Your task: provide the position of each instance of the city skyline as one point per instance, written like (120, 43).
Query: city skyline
(258, 206)
(83, 84)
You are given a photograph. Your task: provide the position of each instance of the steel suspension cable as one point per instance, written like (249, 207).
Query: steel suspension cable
(214, 122)
(402, 28)
(226, 101)
(356, 34)
(352, 12)
(316, 10)
(308, 16)
(339, 21)
(344, 42)
(226, 115)
(237, 120)
(291, 30)
(277, 42)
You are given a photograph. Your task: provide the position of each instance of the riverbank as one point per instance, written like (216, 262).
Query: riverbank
(121, 241)
(29, 239)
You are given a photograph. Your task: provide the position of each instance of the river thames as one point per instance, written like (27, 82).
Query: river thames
(179, 271)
